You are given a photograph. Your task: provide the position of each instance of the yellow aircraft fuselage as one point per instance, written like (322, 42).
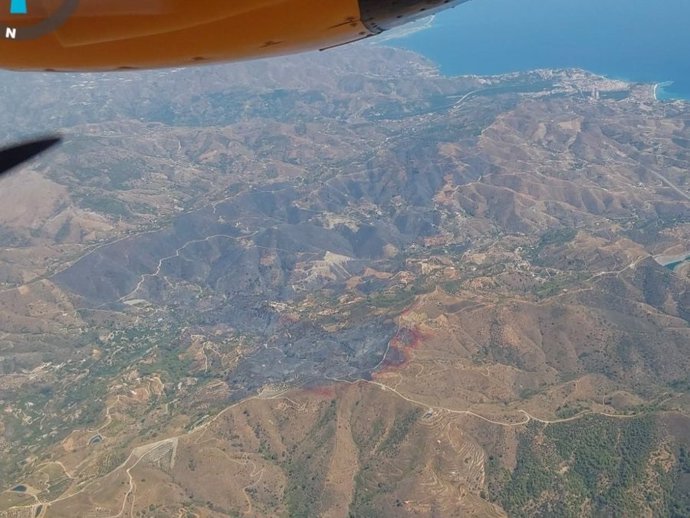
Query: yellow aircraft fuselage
(89, 35)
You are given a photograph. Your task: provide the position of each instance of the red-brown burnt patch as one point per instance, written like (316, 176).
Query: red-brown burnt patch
(400, 348)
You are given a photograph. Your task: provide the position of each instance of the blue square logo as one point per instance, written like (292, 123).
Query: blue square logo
(18, 7)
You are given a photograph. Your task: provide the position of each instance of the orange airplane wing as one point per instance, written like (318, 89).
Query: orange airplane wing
(88, 35)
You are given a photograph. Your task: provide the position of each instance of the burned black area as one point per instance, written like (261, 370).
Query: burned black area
(305, 354)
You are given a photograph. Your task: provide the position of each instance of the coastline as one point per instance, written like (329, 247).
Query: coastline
(660, 87)
(463, 29)
(407, 30)
(406, 42)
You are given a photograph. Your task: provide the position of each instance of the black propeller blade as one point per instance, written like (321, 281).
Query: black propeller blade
(13, 156)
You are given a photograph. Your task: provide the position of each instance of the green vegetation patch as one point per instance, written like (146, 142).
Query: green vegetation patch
(106, 205)
(307, 465)
(681, 385)
(558, 283)
(379, 448)
(554, 237)
(594, 464)
(401, 427)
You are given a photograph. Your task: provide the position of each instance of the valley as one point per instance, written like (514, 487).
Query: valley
(335, 286)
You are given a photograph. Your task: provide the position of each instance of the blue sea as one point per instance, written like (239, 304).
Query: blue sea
(637, 40)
